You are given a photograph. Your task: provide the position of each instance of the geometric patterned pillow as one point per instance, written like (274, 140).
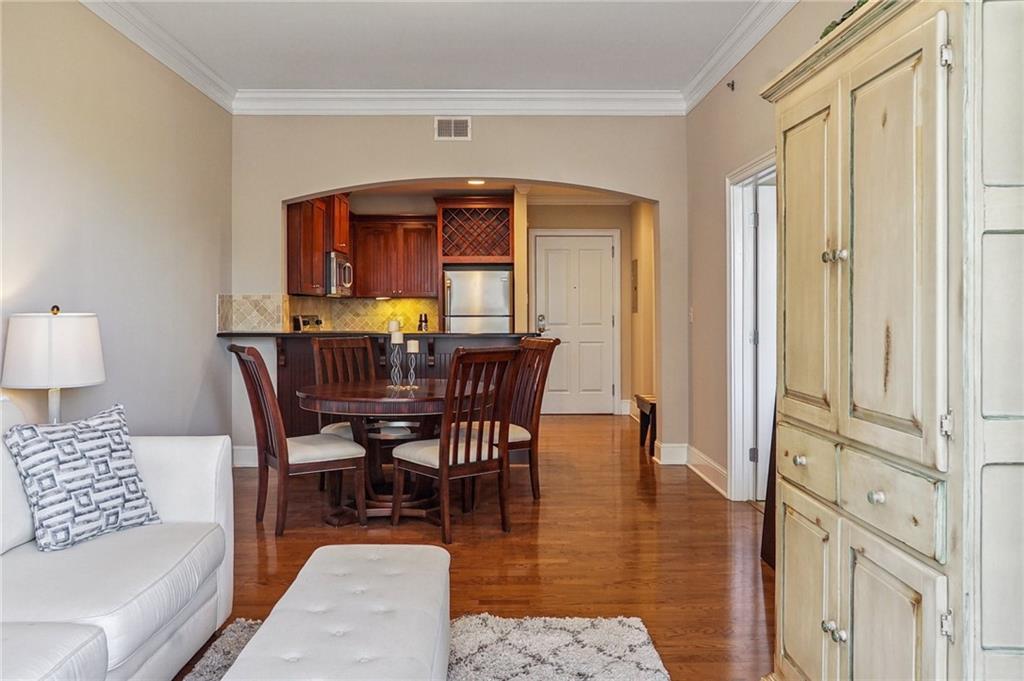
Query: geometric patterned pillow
(80, 478)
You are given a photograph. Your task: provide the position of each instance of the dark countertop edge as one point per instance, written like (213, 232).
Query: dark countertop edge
(377, 334)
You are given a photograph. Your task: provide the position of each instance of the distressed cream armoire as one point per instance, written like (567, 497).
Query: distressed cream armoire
(900, 441)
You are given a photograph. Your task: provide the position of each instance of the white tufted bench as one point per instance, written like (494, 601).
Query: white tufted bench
(357, 612)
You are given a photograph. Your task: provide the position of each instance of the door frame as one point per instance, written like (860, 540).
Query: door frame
(740, 477)
(617, 397)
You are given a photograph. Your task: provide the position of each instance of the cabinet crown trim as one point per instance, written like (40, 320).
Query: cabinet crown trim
(848, 34)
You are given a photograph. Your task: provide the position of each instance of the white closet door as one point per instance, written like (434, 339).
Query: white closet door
(575, 288)
(893, 276)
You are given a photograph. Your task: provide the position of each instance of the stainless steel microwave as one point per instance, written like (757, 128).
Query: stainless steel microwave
(339, 275)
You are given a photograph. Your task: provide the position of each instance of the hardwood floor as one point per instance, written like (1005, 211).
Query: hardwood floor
(614, 534)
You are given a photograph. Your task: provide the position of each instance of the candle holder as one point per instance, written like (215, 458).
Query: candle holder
(412, 371)
(396, 366)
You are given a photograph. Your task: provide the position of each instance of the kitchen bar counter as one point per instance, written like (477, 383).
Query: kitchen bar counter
(295, 362)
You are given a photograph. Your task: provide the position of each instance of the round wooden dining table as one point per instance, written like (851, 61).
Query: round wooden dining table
(361, 401)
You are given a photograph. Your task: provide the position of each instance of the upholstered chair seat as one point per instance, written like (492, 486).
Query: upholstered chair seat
(314, 448)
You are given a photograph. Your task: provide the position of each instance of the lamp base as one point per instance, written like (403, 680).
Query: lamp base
(53, 403)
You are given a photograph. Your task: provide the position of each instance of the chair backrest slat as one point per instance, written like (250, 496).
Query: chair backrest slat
(477, 404)
(531, 376)
(271, 439)
(344, 360)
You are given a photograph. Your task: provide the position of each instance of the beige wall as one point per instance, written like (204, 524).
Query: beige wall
(644, 348)
(116, 186)
(599, 217)
(724, 132)
(282, 157)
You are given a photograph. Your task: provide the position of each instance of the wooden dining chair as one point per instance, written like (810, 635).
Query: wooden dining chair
(531, 376)
(291, 455)
(474, 432)
(351, 360)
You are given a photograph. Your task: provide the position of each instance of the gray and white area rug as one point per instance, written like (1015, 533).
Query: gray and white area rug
(488, 648)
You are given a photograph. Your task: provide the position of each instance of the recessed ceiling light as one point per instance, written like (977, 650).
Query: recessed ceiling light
(475, 182)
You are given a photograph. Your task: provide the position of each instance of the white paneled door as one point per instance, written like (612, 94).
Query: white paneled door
(574, 300)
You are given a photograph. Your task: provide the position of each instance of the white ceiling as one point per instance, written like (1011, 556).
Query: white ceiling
(247, 53)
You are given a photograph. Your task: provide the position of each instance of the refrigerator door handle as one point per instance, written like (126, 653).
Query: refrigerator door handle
(447, 303)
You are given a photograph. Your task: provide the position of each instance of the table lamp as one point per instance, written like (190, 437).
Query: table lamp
(53, 350)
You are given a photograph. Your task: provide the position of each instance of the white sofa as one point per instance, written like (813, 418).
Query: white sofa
(132, 604)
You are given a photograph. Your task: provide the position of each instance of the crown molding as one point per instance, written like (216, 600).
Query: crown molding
(131, 21)
(748, 32)
(459, 102)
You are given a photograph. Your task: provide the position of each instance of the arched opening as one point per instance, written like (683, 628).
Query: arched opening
(574, 250)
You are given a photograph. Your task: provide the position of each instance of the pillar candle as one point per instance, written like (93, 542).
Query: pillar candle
(412, 346)
(397, 338)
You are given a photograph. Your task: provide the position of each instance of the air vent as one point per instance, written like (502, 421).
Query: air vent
(453, 129)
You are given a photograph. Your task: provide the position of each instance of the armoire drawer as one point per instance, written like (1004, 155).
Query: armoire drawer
(908, 506)
(807, 460)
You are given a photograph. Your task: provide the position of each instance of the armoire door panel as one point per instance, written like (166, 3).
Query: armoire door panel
(891, 606)
(892, 277)
(808, 319)
(807, 600)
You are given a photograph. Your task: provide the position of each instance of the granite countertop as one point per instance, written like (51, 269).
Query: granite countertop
(382, 334)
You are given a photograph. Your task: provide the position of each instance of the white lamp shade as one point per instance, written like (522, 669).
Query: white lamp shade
(53, 351)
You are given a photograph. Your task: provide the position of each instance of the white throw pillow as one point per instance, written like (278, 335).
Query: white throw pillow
(80, 478)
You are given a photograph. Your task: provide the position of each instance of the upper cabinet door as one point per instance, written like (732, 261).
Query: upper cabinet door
(375, 259)
(419, 276)
(339, 232)
(893, 264)
(891, 607)
(306, 224)
(807, 227)
(807, 601)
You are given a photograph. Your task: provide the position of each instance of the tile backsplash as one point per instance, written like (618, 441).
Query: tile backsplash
(249, 312)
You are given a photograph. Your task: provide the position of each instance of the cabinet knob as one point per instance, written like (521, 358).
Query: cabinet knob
(828, 626)
(826, 256)
(840, 636)
(876, 497)
(841, 254)
(799, 460)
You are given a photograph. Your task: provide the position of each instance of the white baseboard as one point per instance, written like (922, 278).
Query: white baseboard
(243, 457)
(711, 471)
(668, 454)
(622, 408)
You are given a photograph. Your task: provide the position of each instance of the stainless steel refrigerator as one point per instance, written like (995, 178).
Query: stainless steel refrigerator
(477, 299)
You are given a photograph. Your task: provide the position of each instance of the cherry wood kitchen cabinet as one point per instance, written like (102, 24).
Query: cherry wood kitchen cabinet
(374, 258)
(418, 259)
(339, 232)
(475, 230)
(395, 256)
(307, 222)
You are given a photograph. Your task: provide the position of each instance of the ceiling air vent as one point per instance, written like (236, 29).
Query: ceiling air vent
(452, 129)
